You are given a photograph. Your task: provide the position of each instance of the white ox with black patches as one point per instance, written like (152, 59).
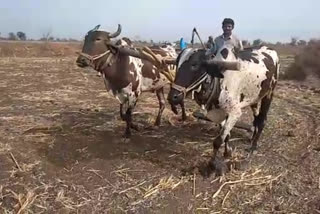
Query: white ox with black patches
(252, 84)
(241, 88)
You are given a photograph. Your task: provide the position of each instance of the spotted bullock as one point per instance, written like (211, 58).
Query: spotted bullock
(251, 83)
(125, 76)
(170, 50)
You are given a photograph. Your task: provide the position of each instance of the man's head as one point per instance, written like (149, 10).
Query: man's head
(227, 26)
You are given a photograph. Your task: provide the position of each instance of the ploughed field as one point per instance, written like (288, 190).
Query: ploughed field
(62, 151)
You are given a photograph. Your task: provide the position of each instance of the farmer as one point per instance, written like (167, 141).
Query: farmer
(226, 38)
(210, 43)
(183, 44)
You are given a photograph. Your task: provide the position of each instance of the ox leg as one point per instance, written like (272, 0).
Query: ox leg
(259, 121)
(122, 116)
(255, 109)
(162, 103)
(130, 125)
(224, 138)
(174, 109)
(128, 121)
(183, 109)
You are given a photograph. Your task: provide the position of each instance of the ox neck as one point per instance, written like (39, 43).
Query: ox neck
(106, 61)
(102, 61)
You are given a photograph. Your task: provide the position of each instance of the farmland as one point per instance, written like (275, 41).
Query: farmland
(62, 151)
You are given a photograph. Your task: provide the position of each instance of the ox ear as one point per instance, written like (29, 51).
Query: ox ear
(113, 48)
(214, 73)
(96, 28)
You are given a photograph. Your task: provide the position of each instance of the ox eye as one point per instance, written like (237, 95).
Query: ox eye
(194, 66)
(98, 39)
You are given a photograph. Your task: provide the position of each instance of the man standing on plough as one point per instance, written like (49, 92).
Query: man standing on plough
(227, 38)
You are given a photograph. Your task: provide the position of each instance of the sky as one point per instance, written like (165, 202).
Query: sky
(163, 20)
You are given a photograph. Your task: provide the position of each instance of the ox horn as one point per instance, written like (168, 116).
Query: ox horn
(117, 33)
(230, 65)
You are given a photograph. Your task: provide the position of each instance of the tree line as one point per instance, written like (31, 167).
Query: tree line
(47, 37)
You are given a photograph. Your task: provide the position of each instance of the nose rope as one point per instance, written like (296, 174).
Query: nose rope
(93, 58)
(195, 84)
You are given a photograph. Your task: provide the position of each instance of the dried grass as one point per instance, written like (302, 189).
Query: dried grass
(24, 200)
(248, 182)
(164, 183)
(129, 187)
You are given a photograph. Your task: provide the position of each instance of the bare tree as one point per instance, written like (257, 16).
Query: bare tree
(313, 41)
(12, 36)
(294, 41)
(257, 42)
(46, 36)
(21, 35)
(302, 42)
(245, 43)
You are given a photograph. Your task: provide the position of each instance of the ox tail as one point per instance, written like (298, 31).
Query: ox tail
(277, 64)
(277, 70)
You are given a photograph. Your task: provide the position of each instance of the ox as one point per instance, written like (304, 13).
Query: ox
(124, 75)
(239, 80)
(170, 50)
(164, 50)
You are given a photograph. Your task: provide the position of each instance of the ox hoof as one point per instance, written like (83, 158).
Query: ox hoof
(252, 150)
(135, 127)
(127, 134)
(228, 153)
(220, 167)
(157, 123)
(206, 169)
(241, 165)
(215, 165)
(126, 137)
(174, 110)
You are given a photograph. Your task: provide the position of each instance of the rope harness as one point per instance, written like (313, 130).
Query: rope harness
(214, 94)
